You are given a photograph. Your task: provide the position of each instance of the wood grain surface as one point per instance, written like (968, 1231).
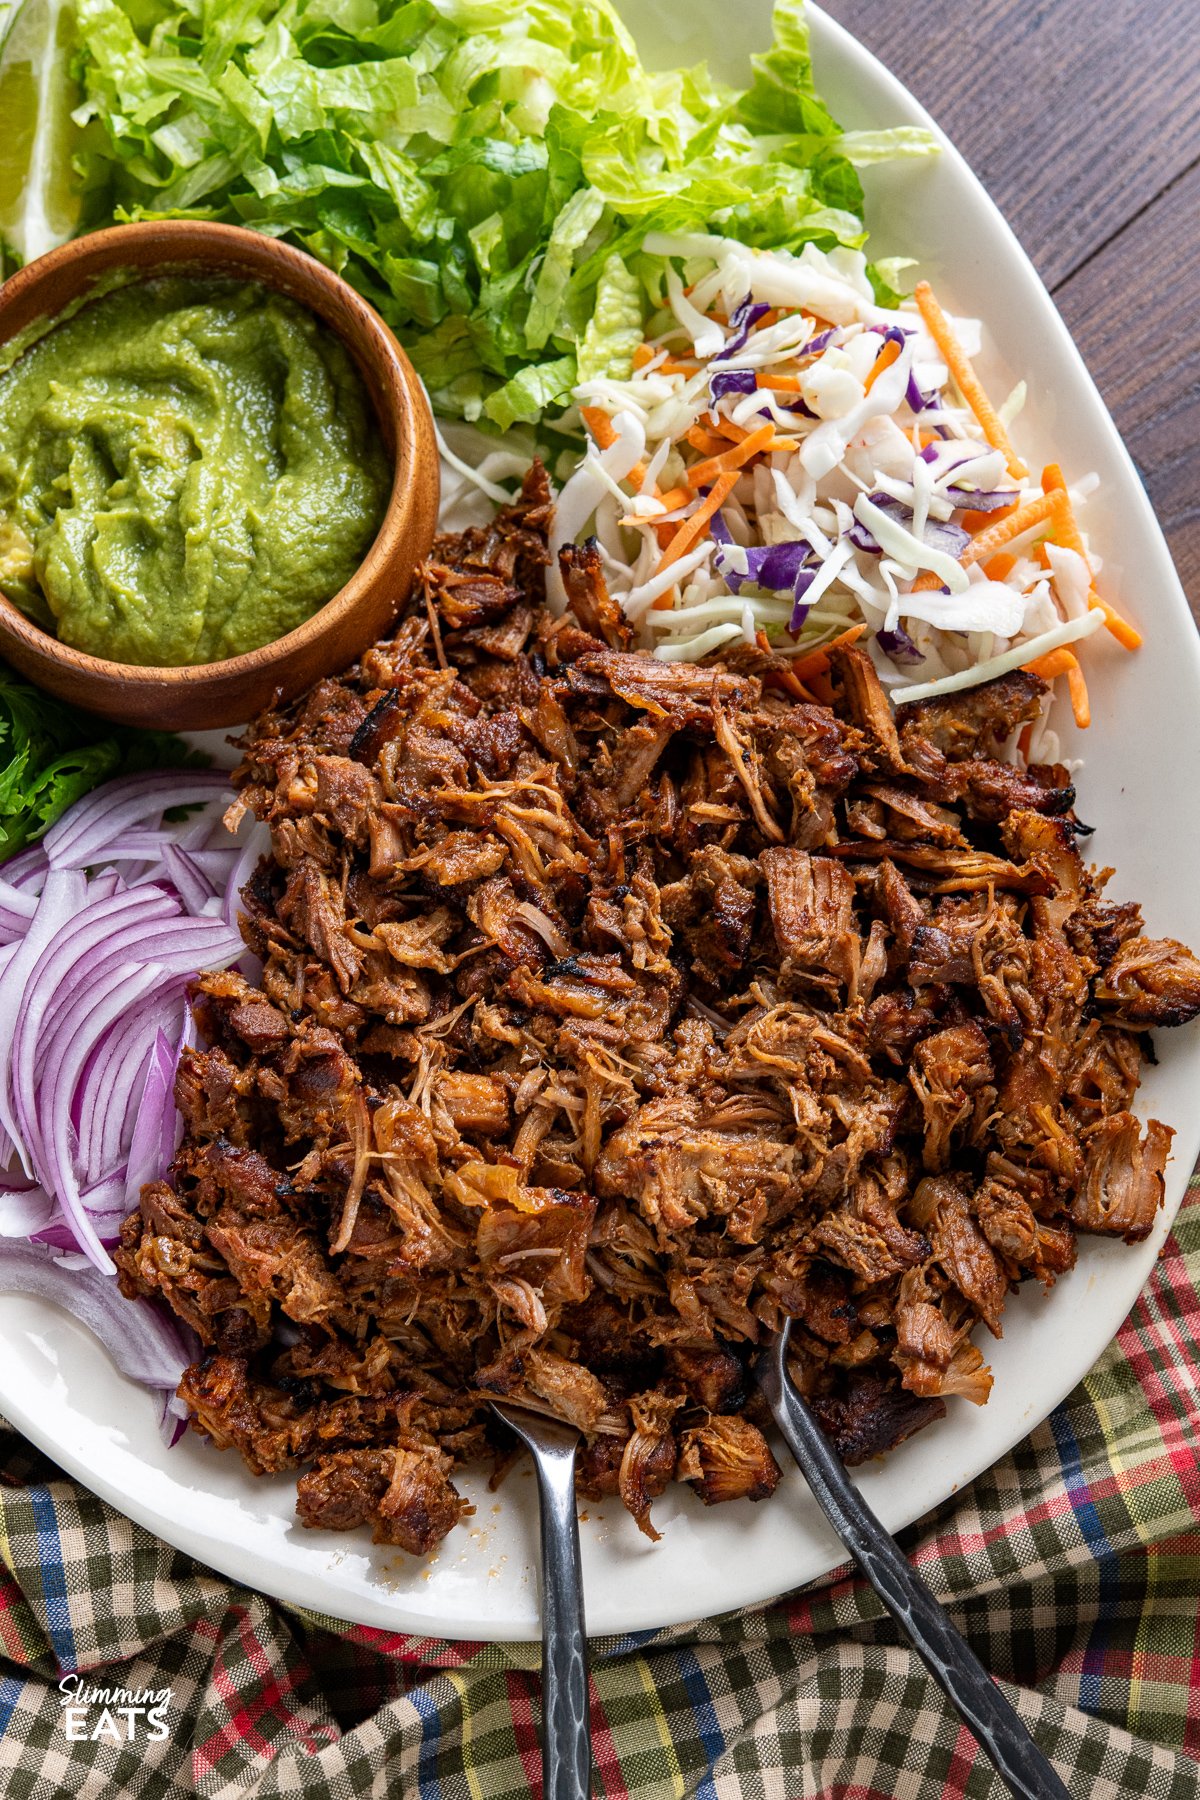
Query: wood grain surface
(1082, 119)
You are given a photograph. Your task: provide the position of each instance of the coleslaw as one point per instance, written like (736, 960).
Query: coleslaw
(789, 463)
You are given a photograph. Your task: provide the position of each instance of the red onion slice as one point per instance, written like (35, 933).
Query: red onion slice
(146, 1346)
(62, 898)
(81, 837)
(156, 1109)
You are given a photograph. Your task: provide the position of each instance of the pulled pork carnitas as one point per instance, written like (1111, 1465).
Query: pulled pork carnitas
(613, 1010)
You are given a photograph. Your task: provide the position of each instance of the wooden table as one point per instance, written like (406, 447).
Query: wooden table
(1082, 119)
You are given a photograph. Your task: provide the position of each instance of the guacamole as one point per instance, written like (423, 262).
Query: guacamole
(188, 470)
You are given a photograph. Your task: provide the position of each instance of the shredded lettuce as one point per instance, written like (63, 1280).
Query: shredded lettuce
(483, 171)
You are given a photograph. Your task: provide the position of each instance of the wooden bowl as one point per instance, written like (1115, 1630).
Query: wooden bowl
(229, 692)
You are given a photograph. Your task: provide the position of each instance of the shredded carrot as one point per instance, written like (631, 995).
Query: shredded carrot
(782, 678)
(1025, 741)
(601, 428)
(1068, 534)
(817, 661)
(666, 602)
(599, 424)
(822, 688)
(696, 525)
(642, 355)
(726, 428)
(675, 365)
(675, 497)
(782, 384)
(764, 440)
(982, 547)
(1013, 525)
(701, 473)
(884, 360)
(701, 439)
(1081, 706)
(999, 568)
(1053, 664)
(975, 522)
(969, 384)
(1064, 662)
(670, 501)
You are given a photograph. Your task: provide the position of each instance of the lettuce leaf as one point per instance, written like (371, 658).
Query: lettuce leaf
(483, 171)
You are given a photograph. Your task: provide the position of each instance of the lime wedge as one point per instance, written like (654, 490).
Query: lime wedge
(38, 205)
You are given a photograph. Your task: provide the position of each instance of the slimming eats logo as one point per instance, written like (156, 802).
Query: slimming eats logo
(101, 1715)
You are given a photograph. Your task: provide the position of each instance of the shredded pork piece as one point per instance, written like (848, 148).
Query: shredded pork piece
(613, 1010)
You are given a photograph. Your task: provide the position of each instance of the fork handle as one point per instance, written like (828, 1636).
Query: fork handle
(566, 1730)
(945, 1653)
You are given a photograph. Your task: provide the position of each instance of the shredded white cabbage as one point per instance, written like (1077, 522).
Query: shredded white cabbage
(865, 465)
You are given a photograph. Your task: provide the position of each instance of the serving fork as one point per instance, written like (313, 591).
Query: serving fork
(945, 1653)
(566, 1730)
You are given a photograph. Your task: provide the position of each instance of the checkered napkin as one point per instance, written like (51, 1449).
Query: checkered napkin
(1073, 1567)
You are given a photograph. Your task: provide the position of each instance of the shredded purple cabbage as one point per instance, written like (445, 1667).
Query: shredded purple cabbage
(985, 501)
(898, 645)
(777, 567)
(821, 342)
(731, 381)
(800, 611)
(937, 536)
(746, 316)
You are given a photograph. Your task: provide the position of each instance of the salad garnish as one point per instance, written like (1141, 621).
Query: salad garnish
(789, 460)
(486, 175)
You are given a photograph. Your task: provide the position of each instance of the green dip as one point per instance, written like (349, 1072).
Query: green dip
(188, 469)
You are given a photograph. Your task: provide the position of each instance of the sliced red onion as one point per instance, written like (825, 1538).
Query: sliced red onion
(189, 880)
(61, 900)
(898, 645)
(106, 1097)
(91, 930)
(146, 1160)
(145, 1344)
(25, 1207)
(27, 870)
(258, 842)
(91, 1000)
(81, 837)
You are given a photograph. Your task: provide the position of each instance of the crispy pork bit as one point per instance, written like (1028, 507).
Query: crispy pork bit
(1151, 981)
(728, 1459)
(404, 1494)
(1122, 1186)
(612, 1011)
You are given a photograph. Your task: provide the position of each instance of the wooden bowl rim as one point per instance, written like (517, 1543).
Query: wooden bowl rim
(89, 259)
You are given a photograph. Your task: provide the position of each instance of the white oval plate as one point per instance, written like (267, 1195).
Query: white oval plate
(1143, 771)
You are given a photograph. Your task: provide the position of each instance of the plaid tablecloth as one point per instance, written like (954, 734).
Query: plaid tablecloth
(1073, 1567)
